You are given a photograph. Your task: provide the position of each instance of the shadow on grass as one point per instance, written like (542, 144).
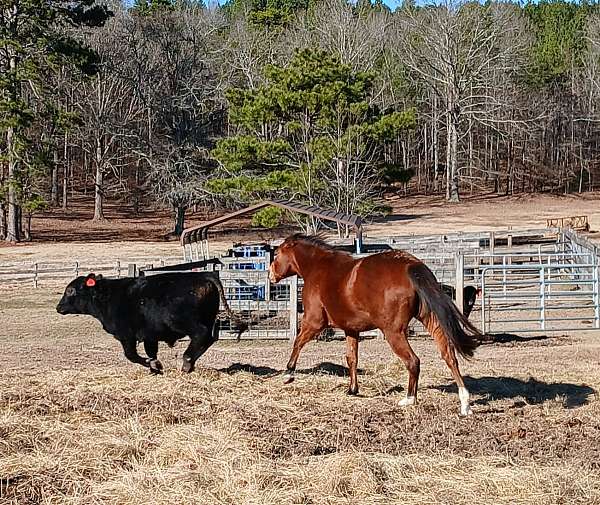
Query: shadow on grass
(325, 368)
(255, 370)
(507, 338)
(329, 368)
(533, 391)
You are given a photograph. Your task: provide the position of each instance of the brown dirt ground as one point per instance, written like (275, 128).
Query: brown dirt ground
(73, 236)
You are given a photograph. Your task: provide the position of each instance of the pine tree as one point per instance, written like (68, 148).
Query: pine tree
(36, 38)
(310, 132)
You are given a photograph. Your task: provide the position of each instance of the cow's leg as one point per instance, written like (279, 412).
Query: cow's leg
(130, 349)
(151, 348)
(200, 341)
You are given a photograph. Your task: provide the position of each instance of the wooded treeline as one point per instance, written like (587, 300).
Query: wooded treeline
(176, 103)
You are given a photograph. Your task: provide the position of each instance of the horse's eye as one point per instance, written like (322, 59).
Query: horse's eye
(70, 291)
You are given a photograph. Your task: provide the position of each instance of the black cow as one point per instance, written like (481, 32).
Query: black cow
(165, 307)
(469, 296)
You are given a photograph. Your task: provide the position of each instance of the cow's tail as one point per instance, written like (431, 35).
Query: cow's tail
(236, 321)
(459, 333)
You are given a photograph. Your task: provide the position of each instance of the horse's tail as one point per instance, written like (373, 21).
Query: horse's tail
(457, 329)
(237, 322)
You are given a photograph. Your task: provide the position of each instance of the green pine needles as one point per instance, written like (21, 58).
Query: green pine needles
(310, 133)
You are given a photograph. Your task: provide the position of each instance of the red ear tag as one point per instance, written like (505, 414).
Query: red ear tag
(90, 283)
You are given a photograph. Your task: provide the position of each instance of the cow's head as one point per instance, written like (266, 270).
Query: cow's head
(79, 296)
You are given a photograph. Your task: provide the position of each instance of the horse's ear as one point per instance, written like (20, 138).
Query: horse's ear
(478, 292)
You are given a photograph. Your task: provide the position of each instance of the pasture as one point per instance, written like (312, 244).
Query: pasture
(81, 425)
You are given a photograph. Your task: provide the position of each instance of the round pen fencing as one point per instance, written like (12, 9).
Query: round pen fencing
(531, 280)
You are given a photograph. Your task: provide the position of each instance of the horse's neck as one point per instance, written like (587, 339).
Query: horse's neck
(319, 262)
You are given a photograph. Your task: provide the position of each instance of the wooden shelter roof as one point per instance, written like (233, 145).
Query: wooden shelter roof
(200, 232)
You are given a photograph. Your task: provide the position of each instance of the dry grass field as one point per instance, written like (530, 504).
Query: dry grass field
(80, 425)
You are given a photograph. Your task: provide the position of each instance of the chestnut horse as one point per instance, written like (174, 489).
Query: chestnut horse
(384, 291)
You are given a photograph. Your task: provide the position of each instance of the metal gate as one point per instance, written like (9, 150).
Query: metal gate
(540, 297)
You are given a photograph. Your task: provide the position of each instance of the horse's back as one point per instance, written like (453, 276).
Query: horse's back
(370, 291)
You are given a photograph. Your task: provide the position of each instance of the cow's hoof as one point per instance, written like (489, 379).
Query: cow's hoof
(187, 367)
(156, 367)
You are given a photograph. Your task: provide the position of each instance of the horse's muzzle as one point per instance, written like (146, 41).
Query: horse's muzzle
(272, 276)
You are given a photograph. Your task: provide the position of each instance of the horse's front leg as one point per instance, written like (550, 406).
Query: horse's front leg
(307, 333)
(352, 360)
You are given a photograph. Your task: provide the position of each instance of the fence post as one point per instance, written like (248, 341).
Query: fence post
(483, 302)
(504, 276)
(293, 307)
(596, 293)
(492, 246)
(510, 245)
(267, 288)
(77, 269)
(542, 297)
(132, 270)
(118, 268)
(460, 281)
(35, 275)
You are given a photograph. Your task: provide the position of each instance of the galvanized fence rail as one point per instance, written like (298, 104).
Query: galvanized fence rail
(531, 280)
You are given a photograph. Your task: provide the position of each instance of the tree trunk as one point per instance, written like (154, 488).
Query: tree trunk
(13, 226)
(54, 182)
(448, 155)
(2, 221)
(65, 182)
(452, 162)
(28, 228)
(179, 220)
(99, 185)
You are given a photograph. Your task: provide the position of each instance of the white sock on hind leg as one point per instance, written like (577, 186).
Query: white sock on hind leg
(463, 395)
(409, 400)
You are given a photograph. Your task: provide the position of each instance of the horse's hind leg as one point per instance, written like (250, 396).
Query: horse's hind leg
(399, 343)
(352, 360)
(449, 356)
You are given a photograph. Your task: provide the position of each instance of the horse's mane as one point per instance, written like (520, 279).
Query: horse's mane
(314, 240)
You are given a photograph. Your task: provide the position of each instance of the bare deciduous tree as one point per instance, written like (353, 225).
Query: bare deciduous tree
(463, 52)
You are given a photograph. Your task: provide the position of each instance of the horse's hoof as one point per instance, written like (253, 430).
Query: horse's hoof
(288, 378)
(466, 411)
(409, 400)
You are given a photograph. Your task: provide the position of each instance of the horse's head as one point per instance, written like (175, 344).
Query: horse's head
(284, 263)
